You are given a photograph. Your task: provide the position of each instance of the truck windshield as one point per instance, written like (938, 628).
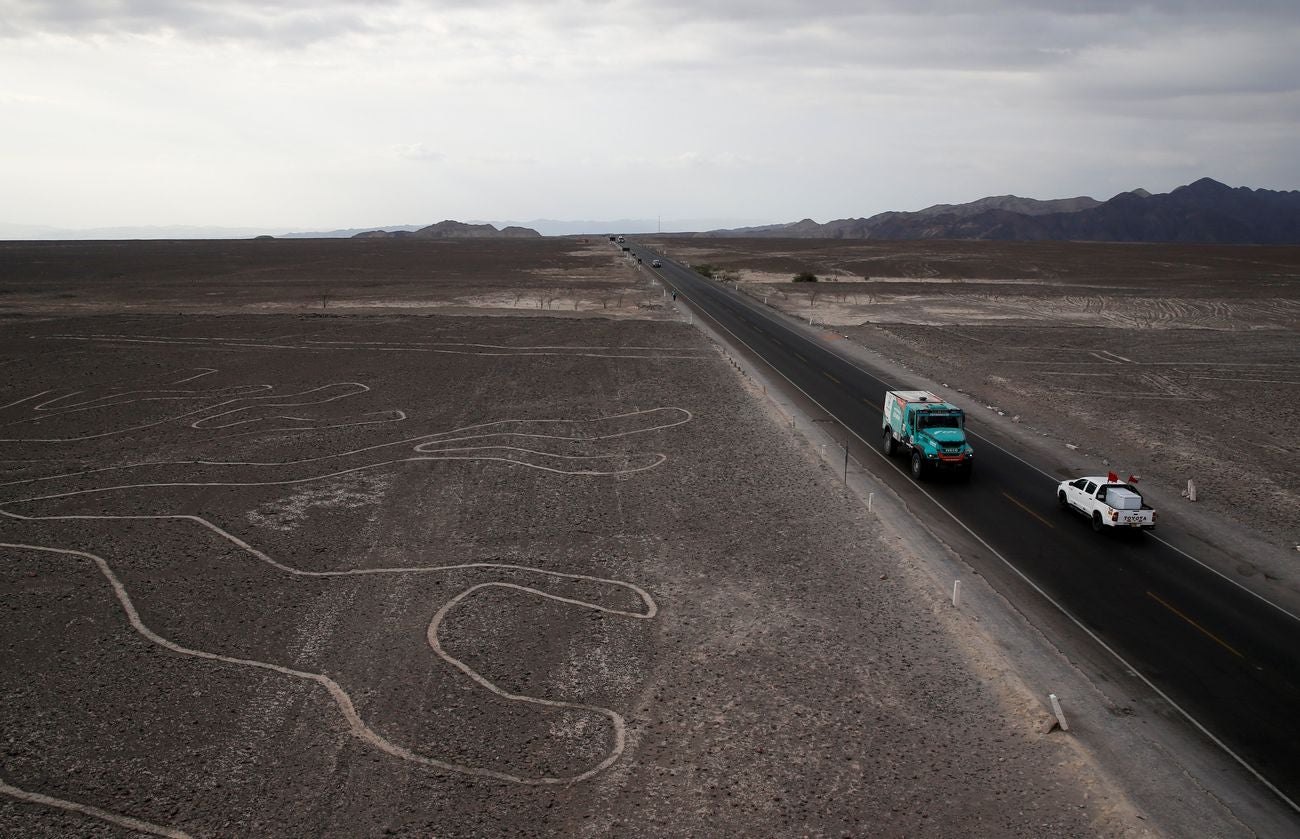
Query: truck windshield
(945, 421)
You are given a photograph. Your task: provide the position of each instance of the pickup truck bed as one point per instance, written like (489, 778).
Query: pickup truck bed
(1106, 503)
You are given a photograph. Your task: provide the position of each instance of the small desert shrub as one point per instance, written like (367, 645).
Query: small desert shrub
(805, 277)
(706, 270)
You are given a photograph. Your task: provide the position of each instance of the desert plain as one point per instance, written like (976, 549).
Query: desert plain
(364, 538)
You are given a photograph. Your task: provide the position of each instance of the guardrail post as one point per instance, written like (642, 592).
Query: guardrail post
(1056, 709)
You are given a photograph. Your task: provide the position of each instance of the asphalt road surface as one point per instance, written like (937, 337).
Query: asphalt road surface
(1226, 659)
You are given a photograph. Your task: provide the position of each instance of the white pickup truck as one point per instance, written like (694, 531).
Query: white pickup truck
(1107, 502)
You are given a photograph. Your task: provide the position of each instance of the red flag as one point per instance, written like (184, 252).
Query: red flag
(1132, 479)
(1112, 477)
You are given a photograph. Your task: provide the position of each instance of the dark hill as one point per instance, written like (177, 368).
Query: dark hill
(454, 230)
(1202, 212)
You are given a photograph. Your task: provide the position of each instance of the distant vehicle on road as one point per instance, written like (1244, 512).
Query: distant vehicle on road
(655, 264)
(1106, 502)
(932, 431)
(621, 240)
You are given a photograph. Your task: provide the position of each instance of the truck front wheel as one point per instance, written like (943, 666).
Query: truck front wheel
(918, 465)
(1096, 521)
(887, 445)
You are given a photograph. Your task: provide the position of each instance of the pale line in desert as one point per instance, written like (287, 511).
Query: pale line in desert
(660, 458)
(364, 388)
(521, 352)
(197, 340)
(207, 371)
(94, 812)
(25, 399)
(108, 401)
(341, 697)
(496, 346)
(688, 416)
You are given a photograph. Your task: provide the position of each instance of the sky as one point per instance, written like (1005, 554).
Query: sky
(321, 114)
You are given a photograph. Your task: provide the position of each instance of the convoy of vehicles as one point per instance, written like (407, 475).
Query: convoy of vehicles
(1107, 502)
(931, 431)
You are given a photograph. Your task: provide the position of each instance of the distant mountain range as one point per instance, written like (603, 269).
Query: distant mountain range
(1205, 211)
(546, 227)
(453, 230)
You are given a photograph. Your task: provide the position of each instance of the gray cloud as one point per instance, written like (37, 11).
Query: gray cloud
(285, 23)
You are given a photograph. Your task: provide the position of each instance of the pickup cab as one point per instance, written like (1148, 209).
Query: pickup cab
(1106, 502)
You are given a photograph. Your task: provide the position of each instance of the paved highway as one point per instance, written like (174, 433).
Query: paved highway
(1228, 660)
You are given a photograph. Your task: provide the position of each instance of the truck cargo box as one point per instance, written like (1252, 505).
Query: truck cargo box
(1123, 499)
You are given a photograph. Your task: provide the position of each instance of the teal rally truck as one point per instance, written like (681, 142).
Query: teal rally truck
(932, 432)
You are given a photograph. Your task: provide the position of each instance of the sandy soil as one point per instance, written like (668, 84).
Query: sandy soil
(1171, 362)
(287, 575)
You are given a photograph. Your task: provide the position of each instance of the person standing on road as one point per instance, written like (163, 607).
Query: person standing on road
(674, 295)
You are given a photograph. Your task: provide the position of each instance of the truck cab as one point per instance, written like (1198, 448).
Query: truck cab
(931, 431)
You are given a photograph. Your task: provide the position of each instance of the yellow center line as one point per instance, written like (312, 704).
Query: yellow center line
(1029, 511)
(801, 358)
(829, 376)
(1207, 633)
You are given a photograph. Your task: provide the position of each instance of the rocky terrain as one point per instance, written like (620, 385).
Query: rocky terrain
(274, 571)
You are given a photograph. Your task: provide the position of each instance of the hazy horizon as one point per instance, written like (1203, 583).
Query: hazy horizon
(296, 116)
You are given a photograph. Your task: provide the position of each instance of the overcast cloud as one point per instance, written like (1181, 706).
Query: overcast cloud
(302, 115)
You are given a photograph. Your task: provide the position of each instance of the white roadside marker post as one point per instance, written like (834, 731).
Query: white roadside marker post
(871, 495)
(1056, 709)
(956, 594)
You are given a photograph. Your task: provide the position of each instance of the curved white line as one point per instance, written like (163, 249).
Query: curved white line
(94, 812)
(184, 415)
(686, 417)
(343, 700)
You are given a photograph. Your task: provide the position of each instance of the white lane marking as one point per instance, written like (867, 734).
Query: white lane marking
(341, 697)
(984, 440)
(1097, 639)
(94, 812)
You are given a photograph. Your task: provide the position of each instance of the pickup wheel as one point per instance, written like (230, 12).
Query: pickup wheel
(918, 465)
(887, 444)
(1096, 521)
(1060, 499)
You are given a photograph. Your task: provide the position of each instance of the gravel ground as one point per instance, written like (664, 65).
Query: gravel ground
(665, 619)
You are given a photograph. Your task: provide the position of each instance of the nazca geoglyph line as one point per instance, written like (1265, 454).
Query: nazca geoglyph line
(435, 447)
(203, 417)
(447, 348)
(94, 812)
(663, 418)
